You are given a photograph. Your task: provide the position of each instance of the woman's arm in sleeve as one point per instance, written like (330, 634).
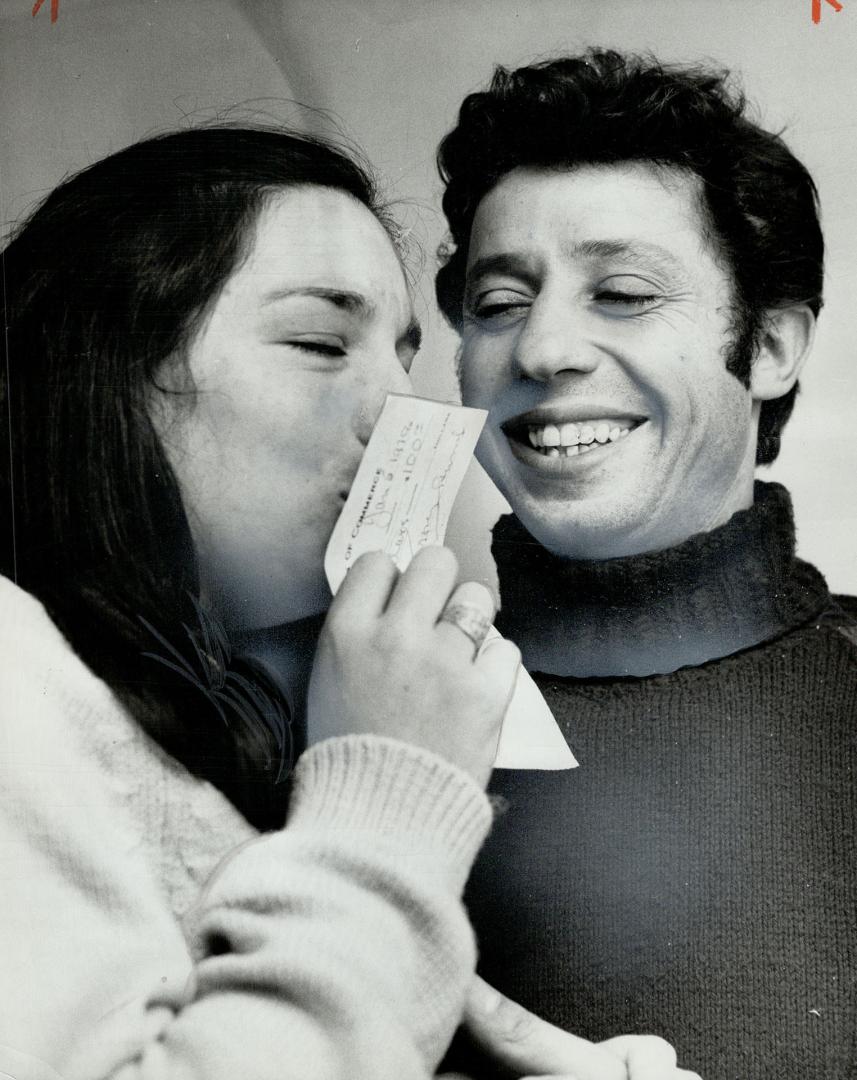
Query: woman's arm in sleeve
(338, 947)
(335, 948)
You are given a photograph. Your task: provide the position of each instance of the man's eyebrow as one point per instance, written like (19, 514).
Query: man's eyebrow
(655, 255)
(521, 267)
(518, 266)
(351, 302)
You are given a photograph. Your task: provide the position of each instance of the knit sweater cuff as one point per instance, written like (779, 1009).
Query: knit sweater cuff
(406, 796)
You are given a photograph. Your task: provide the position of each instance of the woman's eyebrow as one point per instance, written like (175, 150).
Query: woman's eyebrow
(352, 302)
(345, 300)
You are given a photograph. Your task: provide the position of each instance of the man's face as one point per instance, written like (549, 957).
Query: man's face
(597, 324)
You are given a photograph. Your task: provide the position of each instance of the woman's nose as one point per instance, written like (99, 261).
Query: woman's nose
(554, 340)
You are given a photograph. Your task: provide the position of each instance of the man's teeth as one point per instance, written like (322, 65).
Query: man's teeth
(555, 440)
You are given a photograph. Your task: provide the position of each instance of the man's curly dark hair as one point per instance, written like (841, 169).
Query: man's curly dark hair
(759, 203)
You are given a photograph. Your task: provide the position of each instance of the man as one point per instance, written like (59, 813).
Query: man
(636, 270)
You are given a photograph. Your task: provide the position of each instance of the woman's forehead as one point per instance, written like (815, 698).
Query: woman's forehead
(316, 237)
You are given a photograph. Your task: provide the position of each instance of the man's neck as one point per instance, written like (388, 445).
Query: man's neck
(713, 595)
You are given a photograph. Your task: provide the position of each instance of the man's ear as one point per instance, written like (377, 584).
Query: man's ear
(786, 343)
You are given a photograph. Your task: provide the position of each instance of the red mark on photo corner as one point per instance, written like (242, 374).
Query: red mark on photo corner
(816, 9)
(55, 9)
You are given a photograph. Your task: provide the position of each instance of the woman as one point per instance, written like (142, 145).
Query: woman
(201, 329)
(200, 332)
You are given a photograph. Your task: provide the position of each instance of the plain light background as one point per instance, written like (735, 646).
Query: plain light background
(391, 74)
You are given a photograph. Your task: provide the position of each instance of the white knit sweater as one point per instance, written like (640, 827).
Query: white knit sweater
(147, 931)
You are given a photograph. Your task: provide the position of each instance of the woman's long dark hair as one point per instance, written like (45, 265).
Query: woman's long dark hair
(107, 279)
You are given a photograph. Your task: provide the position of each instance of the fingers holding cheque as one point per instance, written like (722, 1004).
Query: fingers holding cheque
(399, 656)
(527, 1047)
(400, 503)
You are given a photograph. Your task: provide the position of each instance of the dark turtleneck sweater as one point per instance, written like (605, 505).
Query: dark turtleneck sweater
(695, 877)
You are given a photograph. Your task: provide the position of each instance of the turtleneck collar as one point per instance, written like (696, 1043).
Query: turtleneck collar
(709, 597)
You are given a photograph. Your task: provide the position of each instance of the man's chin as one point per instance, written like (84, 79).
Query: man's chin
(582, 509)
(587, 528)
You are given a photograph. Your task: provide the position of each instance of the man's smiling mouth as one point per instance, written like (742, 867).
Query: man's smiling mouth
(572, 438)
(569, 438)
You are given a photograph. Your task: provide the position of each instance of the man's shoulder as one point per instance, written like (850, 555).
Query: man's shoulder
(841, 617)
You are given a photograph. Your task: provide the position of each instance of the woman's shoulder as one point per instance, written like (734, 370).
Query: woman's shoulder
(24, 621)
(52, 706)
(68, 746)
(37, 665)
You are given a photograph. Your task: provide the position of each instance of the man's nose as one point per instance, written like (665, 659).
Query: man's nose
(387, 377)
(554, 340)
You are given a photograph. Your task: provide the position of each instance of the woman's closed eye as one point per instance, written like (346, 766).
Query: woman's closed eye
(319, 345)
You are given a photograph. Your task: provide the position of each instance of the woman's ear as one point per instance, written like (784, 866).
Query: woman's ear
(786, 342)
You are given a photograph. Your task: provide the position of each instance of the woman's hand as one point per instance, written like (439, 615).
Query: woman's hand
(385, 665)
(529, 1047)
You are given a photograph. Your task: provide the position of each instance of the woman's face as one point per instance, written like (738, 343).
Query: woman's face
(290, 369)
